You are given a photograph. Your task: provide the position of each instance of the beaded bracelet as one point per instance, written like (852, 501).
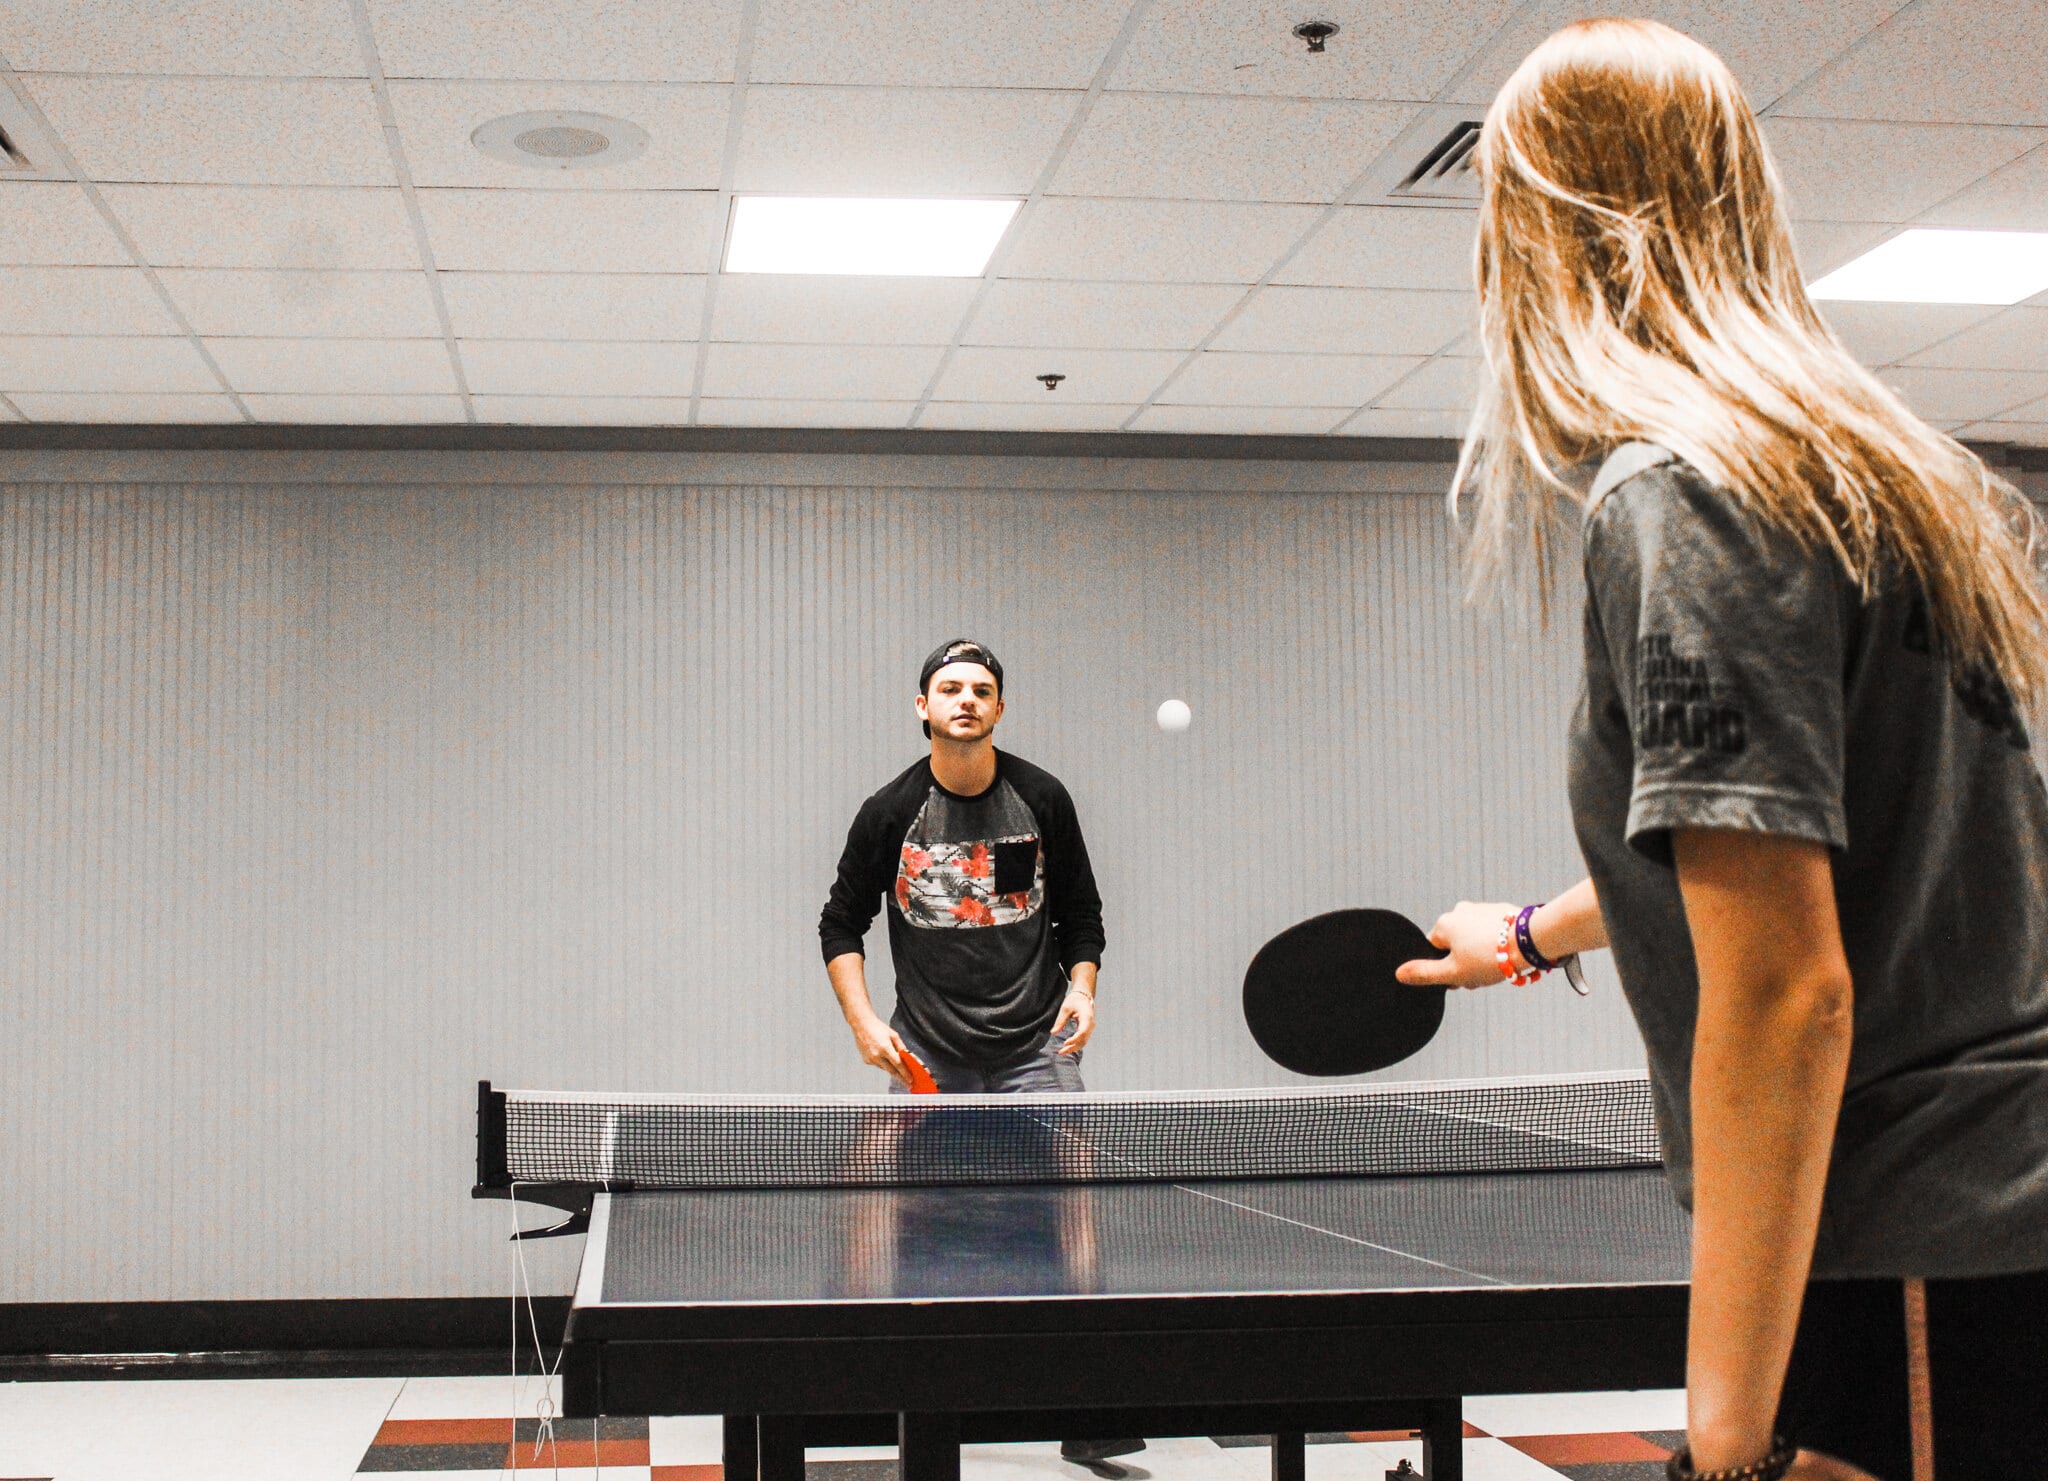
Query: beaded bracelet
(1505, 961)
(1771, 1468)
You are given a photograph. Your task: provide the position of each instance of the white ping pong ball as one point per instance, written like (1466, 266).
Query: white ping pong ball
(1174, 716)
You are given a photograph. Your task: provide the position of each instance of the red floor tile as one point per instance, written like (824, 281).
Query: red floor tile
(1472, 1432)
(444, 1432)
(688, 1473)
(1579, 1450)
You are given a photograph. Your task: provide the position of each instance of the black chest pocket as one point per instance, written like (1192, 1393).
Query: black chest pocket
(1016, 868)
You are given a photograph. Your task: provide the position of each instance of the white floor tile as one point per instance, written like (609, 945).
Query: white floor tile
(475, 1398)
(849, 1452)
(1578, 1414)
(1366, 1461)
(1496, 1460)
(686, 1440)
(192, 1430)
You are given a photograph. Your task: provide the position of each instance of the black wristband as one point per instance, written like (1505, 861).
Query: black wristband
(1771, 1468)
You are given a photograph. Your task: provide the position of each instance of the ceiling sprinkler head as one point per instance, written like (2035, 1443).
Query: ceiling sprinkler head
(1315, 33)
(1052, 380)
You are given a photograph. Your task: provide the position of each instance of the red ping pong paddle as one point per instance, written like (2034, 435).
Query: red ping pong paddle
(1321, 998)
(921, 1081)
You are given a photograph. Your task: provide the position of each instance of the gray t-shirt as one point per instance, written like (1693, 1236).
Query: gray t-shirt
(1735, 680)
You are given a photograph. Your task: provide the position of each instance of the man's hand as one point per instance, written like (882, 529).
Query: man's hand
(1079, 1010)
(880, 1046)
(1470, 932)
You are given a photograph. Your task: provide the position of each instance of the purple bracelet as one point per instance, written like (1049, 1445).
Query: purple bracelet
(1526, 944)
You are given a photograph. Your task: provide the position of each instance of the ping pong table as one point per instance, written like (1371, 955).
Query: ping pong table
(1018, 1268)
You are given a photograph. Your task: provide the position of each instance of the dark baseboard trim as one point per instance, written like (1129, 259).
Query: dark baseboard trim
(80, 1335)
(463, 437)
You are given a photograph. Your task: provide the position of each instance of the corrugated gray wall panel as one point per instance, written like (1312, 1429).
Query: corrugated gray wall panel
(322, 803)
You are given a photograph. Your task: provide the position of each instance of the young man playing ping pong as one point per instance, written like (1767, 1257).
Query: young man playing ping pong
(994, 921)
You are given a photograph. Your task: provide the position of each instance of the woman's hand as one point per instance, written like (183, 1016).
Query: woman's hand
(1470, 932)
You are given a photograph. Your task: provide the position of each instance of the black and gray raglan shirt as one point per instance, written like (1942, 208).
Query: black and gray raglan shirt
(1735, 680)
(991, 904)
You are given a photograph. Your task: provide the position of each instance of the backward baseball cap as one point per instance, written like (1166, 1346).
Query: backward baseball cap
(958, 650)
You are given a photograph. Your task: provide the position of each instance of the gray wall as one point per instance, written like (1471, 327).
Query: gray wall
(335, 782)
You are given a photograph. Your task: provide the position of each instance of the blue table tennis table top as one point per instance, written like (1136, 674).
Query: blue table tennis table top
(1111, 1242)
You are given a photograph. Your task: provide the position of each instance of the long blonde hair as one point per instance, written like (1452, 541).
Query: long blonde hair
(1637, 282)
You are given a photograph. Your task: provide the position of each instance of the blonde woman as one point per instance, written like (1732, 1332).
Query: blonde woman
(1800, 772)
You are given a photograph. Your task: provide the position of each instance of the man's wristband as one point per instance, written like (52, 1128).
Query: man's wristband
(1086, 992)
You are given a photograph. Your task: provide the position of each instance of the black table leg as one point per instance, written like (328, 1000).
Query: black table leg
(928, 1447)
(781, 1447)
(1443, 1440)
(1290, 1457)
(742, 1448)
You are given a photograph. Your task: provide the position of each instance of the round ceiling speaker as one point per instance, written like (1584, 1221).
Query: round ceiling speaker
(561, 141)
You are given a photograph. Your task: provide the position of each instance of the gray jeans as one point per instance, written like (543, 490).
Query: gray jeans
(1045, 1070)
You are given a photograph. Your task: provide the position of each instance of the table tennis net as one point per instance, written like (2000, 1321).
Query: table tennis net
(712, 1141)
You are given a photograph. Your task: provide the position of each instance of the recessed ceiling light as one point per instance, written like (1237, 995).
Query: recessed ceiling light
(878, 238)
(561, 140)
(1925, 266)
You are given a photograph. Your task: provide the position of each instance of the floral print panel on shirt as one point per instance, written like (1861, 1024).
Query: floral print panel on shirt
(989, 882)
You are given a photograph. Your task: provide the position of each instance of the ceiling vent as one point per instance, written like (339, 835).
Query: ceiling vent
(1447, 171)
(561, 141)
(1430, 164)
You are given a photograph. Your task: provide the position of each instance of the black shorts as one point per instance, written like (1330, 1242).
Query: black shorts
(1987, 1342)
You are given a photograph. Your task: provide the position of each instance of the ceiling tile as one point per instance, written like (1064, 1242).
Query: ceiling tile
(674, 41)
(585, 411)
(663, 306)
(1881, 333)
(265, 226)
(51, 222)
(1267, 420)
(685, 127)
(1770, 45)
(1380, 51)
(1391, 421)
(384, 305)
(1108, 316)
(248, 38)
(2016, 339)
(1229, 378)
(1244, 149)
(985, 374)
(802, 309)
(1024, 416)
(81, 300)
(926, 43)
(2013, 199)
(897, 141)
(356, 411)
(807, 373)
(1154, 241)
(1823, 246)
(1361, 321)
(1941, 61)
(1388, 247)
(334, 366)
(1965, 395)
(563, 232)
(723, 413)
(1445, 384)
(514, 367)
(1842, 171)
(218, 130)
(63, 406)
(131, 363)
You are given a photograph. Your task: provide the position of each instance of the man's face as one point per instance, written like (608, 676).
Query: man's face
(961, 703)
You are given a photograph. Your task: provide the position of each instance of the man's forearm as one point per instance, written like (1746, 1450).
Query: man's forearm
(1083, 977)
(848, 972)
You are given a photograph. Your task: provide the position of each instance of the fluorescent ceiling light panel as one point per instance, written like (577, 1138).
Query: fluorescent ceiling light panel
(868, 238)
(1925, 266)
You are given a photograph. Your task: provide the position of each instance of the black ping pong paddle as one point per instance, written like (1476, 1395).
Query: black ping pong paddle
(1321, 999)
